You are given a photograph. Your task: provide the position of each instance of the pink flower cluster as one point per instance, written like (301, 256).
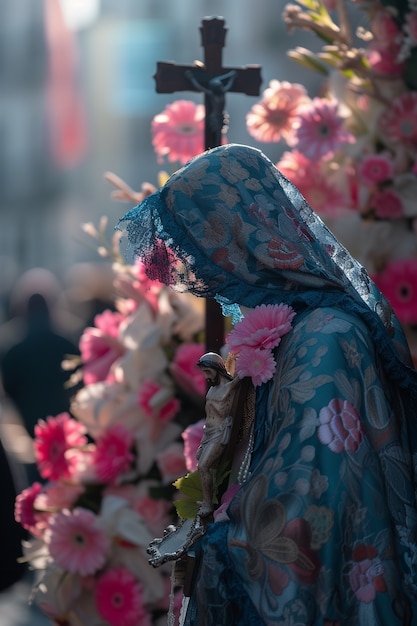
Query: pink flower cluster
(254, 338)
(352, 151)
(314, 128)
(109, 464)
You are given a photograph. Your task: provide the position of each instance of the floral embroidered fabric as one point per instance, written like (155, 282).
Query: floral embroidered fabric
(323, 532)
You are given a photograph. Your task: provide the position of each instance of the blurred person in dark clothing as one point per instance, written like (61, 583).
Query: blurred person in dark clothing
(31, 370)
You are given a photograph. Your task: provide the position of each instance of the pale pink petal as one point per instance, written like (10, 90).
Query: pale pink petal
(259, 365)
(76, 543)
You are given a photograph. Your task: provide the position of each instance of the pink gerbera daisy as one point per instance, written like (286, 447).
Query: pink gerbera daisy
(178, 132)
(398, 283)
(399, 121)
(375, 168)
(261, 328)
(387, 205)
(320, 130)
(118, 598)
(113, 455)
(258, 364)
(53, 438)
(273, 118)
(76, 543)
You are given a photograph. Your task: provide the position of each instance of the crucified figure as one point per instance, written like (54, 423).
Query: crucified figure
(215, 89)
(218, 423)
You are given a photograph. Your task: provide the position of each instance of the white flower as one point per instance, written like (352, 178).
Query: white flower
(101, 405)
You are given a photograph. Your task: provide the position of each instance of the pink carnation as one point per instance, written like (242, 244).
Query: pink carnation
(113, 455)
(192, 436)
(261, 328)
(53, 438)
(76, 543)
(185, 371)
(100, 347)
(118, 598)
(258, 364)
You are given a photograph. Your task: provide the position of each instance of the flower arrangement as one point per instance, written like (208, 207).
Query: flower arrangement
(108, 466)
(111, 466)
(254, 337)
(352, 149)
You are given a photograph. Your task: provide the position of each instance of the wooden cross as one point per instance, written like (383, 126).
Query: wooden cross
(214, 80)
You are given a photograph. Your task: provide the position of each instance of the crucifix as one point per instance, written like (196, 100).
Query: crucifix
(214, 80)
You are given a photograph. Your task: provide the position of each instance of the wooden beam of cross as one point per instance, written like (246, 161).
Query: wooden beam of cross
(214, 80)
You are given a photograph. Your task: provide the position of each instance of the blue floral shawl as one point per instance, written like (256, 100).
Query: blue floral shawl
(324, 530)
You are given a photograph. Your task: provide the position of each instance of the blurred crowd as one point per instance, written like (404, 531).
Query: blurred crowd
(41, 324)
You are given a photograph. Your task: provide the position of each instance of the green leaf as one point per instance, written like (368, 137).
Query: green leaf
(190, 486)
(191, 492)
(186, 508)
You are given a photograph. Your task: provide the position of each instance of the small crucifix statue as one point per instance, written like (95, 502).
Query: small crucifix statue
(214, 80)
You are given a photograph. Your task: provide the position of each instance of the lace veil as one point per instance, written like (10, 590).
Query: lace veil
(229, 225)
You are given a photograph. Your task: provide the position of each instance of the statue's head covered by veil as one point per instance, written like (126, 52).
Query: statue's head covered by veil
(229, 225)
